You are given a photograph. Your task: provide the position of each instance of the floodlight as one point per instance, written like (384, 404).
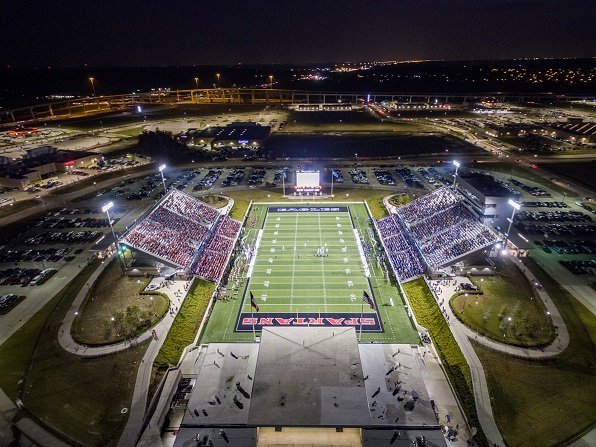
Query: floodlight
(456, 163)
(107, 206)
(162, 167)
(514, 204)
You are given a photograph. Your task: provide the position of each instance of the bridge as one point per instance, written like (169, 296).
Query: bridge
(92, 105)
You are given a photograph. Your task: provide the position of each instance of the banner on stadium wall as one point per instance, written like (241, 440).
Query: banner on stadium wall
(370, 321)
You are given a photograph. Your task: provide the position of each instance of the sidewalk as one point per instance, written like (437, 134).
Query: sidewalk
(443, 290)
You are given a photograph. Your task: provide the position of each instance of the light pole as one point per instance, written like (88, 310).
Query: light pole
(106, 209)
(516, 206)
(218, 84)
(197, 83)
(457, 165)
(161, 168)
(92, 80)
(271, 80)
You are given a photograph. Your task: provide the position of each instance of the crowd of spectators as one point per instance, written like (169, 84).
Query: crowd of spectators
(427, 206)
(400, 249)
(456, 241)
(189, 207)
(214, 257)
(426, 228)
(439, 225)
(174, 230)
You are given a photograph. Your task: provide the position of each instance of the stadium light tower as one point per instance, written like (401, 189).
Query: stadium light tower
(516, 206)
(92, 80)
(457, 165)
(161, 168)
(106, 209)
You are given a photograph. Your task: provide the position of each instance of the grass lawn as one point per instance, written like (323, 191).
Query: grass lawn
(185, 326)
(582, 173)
(80, 398)
(377, 208)
(359, 121)
(429, 315)
(16, 207)
(117, 296)
(214, 201)
(506, 295)
(543, 403)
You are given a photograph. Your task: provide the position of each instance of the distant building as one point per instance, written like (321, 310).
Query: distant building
(575, 130)
(234, 136)
(41, 163)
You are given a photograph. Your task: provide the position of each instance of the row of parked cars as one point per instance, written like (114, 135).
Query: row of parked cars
(580, 267)
(78, 222)
(208, 181)
(384, 177)
(6, 301)
(70, 237)
(409, 178)
(544, 204)
(530, 189)
(234, 177)
(359, 176)
(24, 277)
(554, 216)
(577, 247)
(40, 255)
(557, 229)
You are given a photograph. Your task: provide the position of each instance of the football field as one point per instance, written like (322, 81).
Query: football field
(309, 268)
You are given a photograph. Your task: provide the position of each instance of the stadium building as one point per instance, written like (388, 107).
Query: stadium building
(487, 198)
(301, 386)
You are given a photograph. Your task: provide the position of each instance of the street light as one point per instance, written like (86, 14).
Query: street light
(271, 80)
(106, 209)
(161, 168)
(217, 74)
(457, 165)
(92, 84)
(516, 206)
(197, 83)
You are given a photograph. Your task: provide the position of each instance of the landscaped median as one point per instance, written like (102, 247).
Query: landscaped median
(507, 309)
(185, 326)
(429, 315)
(117, 308)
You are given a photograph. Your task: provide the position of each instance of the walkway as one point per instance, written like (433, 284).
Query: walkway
(176, 292)
(443, 291)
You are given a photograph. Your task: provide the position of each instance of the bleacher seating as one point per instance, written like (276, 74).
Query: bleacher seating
(404, 257)
(174, 230)
(439, 225)
(213, 258)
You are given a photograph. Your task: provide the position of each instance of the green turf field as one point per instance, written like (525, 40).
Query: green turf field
(289, 281)
(290, 276)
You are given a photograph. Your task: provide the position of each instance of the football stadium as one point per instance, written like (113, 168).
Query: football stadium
(311, 279)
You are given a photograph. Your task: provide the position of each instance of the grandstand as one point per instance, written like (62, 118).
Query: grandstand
(437, 227)
(185, 233)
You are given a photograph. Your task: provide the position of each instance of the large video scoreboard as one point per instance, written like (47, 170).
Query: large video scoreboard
(307, 181)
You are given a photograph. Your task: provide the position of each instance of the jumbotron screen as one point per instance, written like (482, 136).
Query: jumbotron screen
(307, 181)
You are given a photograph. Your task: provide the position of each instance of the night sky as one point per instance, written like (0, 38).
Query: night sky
(187, 32)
